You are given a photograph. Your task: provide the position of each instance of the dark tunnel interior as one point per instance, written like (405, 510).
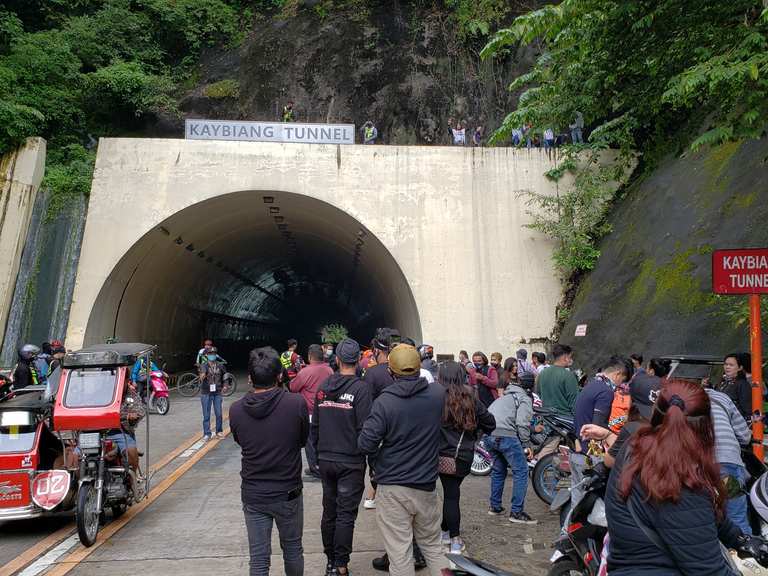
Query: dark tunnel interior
(252, 268)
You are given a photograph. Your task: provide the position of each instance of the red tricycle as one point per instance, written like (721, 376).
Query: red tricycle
(67, 445)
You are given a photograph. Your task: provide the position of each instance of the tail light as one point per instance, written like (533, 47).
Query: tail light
(109, 445)
(574, 527)
(588, 558)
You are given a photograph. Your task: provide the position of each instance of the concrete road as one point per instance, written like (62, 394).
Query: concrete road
(196, 527)
(183, 421)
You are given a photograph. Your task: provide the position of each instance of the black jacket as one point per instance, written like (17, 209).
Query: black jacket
(271, 428)
(688, 527)
(341, 406)
(740, 391)
(403, 432)
(378, 378)
(450, 436)
(24, 375)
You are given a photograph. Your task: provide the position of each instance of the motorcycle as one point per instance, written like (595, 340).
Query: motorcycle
(579, 547)
(545, 466)
(158, 397)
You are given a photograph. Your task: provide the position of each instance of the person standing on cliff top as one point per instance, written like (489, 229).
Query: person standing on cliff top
(370, 133)
(288, 115)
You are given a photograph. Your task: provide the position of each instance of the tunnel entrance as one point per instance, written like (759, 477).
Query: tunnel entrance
(252, 268)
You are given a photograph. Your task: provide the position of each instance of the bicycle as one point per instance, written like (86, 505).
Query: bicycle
(189, 384)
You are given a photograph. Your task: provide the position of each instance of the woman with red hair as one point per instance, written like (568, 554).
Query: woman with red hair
(665, 501)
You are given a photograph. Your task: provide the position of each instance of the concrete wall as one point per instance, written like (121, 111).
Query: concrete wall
(450, 218)
(21, 172)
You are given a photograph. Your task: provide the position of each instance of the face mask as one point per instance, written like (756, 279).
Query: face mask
(328, 353)
(211, 358)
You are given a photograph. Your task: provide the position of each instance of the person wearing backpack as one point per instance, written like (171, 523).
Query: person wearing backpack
(508, 444)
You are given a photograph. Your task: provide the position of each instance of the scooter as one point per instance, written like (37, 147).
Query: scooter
(158, 395)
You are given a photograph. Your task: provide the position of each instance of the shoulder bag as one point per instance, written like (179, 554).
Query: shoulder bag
(447, 464)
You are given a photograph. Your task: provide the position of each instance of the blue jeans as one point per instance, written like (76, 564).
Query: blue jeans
(206, 400)
(576, 136)
(289, 517)
(508, 452)
(736, 508)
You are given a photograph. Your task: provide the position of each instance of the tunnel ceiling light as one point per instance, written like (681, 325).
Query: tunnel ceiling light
(362, 233)
(279, 219)
(179, 240)
(282, 226)
(191, 247)
(274, 210)
(268, 199)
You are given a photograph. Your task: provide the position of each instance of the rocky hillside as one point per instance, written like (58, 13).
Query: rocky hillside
(405, 66)
(651, 289)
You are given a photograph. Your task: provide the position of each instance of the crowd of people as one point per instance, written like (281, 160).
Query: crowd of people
(394, 414)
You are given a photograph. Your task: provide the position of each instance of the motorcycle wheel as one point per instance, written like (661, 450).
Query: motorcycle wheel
(545, 478)
(566, 567)
(230, 384)
(161, 405)
(87, 515)
(189, 384)
(481, 466)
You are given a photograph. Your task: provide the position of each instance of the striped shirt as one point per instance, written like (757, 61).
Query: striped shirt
(731, 430)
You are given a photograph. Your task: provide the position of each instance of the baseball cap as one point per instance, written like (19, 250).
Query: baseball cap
(404, 360)
(348, 351)
(643, 390)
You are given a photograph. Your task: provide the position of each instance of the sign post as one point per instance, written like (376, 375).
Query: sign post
(746, 272)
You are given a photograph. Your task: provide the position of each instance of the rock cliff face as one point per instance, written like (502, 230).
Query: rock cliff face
(651, 290)
(402, 66)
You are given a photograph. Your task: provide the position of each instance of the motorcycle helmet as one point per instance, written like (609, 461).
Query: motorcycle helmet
(758, 496)
(426, 351)
(28, 352)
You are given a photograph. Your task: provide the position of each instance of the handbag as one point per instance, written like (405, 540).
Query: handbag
(447, 464)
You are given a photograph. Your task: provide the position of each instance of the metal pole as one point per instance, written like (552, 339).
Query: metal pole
(755, 337)
(148, 359)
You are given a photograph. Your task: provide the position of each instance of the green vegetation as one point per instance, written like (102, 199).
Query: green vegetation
(222, 89)
(642, 73)
(333, 333)
(77, 70)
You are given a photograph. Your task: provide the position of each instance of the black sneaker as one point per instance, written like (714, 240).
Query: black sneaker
(521, 518)
(381, 563)
(419, 562)
(495, 511)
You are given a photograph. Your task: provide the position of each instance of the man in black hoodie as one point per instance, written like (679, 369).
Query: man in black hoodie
(341, 406)
(271, 426)
(404, 433)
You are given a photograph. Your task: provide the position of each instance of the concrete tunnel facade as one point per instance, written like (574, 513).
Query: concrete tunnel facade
(258, 242)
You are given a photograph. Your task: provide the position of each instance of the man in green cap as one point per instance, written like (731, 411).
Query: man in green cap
(402, 434)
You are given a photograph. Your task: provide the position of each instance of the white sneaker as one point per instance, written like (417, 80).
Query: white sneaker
(206, 438)
(369, 504)
(457, 545)
(219, 434)
(445, 538)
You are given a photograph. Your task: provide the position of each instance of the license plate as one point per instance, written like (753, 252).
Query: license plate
(556, 556)
(14, 490)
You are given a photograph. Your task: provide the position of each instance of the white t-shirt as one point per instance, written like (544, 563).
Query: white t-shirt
(426, 374)
(459, 136)
(549, 134)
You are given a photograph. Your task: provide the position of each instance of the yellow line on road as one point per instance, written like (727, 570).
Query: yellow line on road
(81, 553)
(37, 550)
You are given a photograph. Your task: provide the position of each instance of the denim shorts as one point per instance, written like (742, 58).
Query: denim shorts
(123, 441)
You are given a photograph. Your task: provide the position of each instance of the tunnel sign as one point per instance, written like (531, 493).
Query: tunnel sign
(196, 129)
(740, 271)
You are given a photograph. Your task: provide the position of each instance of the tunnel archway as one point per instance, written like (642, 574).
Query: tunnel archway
(250, 268)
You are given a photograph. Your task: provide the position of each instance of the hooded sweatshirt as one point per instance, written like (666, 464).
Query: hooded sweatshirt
(513, 413)
(403, 432)
(341, 407)
(271, 428)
